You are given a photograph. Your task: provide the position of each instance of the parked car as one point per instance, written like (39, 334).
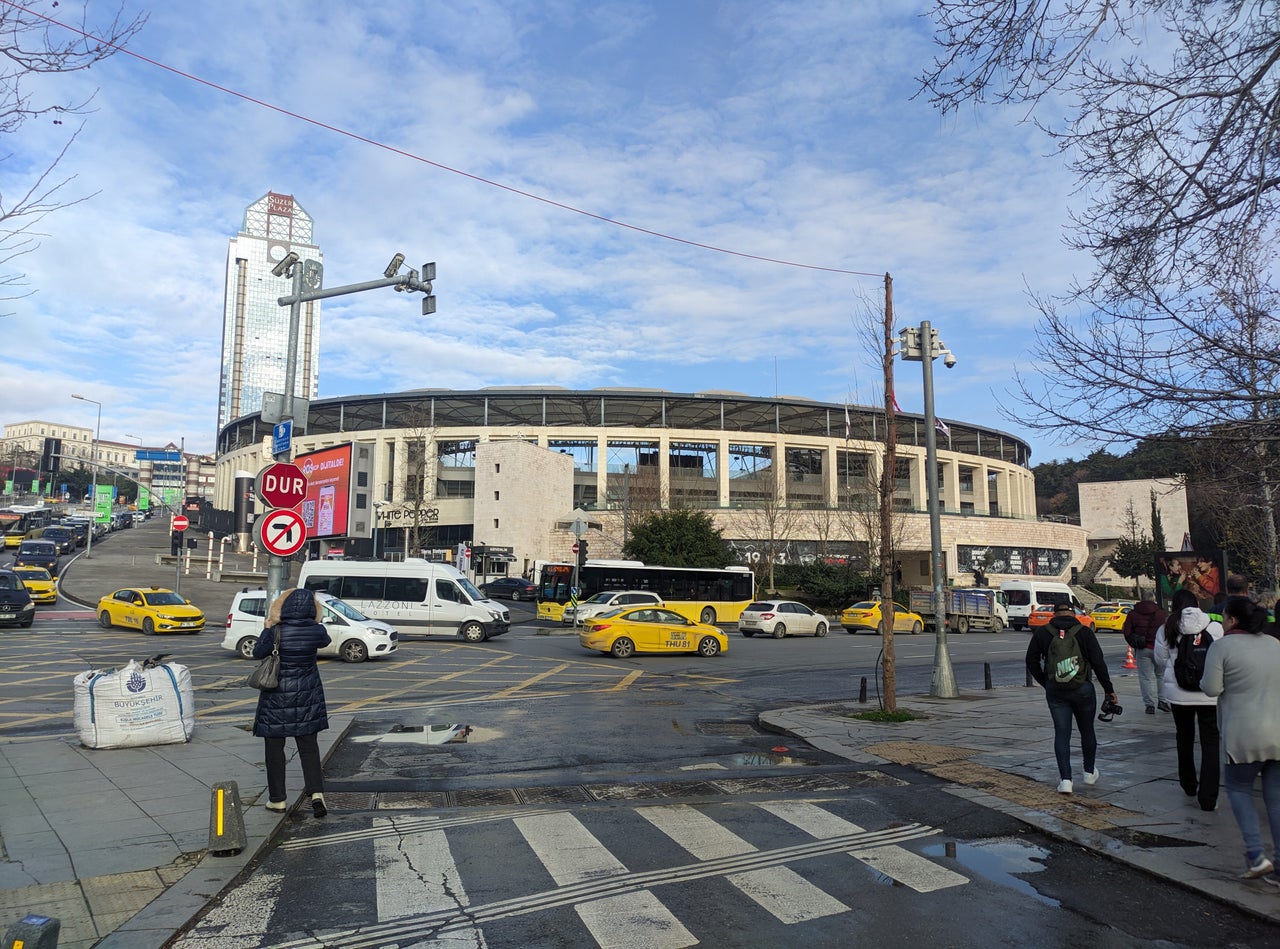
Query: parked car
(866, 615)
(38, 553)
(353, 637)
(39, 582)
(16, 608)
(509, 588)
(779, 618)
(150, 609)
(606, 601)
(1110, 616)
(623, 633)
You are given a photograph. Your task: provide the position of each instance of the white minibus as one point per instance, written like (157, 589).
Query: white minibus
(414, 595)
(1021, 597)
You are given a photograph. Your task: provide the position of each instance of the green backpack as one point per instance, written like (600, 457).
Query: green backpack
(1067, 668)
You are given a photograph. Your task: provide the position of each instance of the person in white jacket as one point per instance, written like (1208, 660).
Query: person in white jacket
(1183, 630)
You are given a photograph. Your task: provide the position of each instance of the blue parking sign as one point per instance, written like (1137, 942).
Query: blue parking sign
(281, 437)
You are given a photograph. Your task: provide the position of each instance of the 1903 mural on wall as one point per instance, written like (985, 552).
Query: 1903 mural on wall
(1016, 561)
(841, 553)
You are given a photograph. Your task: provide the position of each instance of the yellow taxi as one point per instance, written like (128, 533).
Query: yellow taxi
(866, 615)
(1042, 614)
(622, 633)
(1110, 616)
(150, 609)
(39, 582)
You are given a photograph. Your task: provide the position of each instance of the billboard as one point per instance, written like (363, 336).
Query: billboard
(326, 509)
(1203, 574)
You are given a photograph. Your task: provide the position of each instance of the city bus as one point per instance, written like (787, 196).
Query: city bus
(19, 523)
(704, 595)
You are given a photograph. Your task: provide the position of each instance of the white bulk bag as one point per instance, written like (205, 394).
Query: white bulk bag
(133, 706)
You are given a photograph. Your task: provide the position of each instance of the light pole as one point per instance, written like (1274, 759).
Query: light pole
(924, 346)
(93, 497)
(377, 517)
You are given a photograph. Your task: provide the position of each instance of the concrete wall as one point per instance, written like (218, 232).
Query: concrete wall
(1104, 508)
(521, 491)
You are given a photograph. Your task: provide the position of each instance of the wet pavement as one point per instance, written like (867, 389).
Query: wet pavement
(114, 842)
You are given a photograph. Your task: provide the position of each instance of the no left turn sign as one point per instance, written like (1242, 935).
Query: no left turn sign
(281, 532)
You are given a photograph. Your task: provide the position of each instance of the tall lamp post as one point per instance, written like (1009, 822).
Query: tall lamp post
(923, 345)
(93, 497)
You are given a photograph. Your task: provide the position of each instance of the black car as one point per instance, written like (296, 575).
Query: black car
(38, 553)
(508, 588)
(16, 608)
(64, 538)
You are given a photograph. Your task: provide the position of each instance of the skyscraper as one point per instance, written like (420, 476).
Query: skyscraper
(255, 328)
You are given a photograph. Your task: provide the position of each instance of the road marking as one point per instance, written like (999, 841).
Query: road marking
(780, 890)
(419, 873)
(532, 680)
(897, 863)
(572, 854)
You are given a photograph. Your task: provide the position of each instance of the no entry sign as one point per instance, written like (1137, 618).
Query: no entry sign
(281, 484)
(281, 532)
(180, 522)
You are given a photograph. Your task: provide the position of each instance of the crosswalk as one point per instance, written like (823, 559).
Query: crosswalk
(425, 869)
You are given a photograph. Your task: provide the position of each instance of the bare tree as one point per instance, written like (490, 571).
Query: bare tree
(32, 42)
(770, 522)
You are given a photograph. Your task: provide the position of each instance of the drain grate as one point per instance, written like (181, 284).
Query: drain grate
(729, 729)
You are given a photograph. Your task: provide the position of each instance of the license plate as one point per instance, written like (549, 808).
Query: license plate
(8, 615)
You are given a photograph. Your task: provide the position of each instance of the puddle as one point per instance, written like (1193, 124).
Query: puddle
(451, 734)
(998, 860)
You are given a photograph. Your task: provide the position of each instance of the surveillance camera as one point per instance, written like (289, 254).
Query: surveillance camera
(949, 360)
(394, 266)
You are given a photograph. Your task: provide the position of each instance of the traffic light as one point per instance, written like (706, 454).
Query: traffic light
(582, 552)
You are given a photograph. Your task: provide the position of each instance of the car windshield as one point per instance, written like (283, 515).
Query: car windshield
(343, 608)
(9, 582)
(164, 598)
(863, 606)
(34, 573)
(759, 608)
(599, 598)
(470, 589)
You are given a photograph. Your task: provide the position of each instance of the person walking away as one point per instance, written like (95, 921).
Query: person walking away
(1237, 589)
(1139, 631)
(1182, 644)
(1243, 670)
(1061, 656)
(295, 709)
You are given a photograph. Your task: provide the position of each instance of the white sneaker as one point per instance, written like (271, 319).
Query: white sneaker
(1091, 777)
(1064, 786)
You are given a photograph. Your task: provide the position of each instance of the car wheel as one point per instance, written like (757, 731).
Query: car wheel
(623, 648)
(104, 619)
(148, 626)
(708, 646)
(472, 633)
(821, 630)
(962, 625)
(916, 627)
(997, 626)
(708, 616)
(748, 633)
(515, 596)
(779, 630)
(244, 648)
(353, 651)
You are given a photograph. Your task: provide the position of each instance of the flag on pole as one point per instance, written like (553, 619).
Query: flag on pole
(941, 426)
(896, 406)
(848, 429)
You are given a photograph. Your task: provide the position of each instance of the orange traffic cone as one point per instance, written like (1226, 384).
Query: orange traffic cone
(1128, 660)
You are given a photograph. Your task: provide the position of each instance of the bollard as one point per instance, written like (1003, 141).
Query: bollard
(862, 691)
(986, 676)
(226, 821)
(33, 932)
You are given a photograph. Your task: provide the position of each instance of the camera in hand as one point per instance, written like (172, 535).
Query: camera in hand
(1110, 710)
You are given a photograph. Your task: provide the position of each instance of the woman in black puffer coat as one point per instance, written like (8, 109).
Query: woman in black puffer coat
(296, 709)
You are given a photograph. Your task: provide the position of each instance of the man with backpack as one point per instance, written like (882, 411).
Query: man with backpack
(1060, 657)
(1139, 632)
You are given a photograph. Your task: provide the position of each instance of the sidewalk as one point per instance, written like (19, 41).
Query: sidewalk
(996, 749)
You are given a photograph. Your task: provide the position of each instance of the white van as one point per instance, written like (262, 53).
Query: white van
(416, 596)
(1021, 597)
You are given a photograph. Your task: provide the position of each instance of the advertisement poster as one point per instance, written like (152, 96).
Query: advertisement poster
(326, 507)
(102, 504)
(1202, 574)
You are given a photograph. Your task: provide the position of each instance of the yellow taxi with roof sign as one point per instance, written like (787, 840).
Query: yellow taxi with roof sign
(150, 609)
(624, 632)
(1110, 616)
(39, 582)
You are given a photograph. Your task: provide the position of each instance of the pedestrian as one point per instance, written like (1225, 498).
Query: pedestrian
(295, 709)
(1139, 630)
(1243, 671)
(1060, 657)
(1185, 635)
(1237, 589)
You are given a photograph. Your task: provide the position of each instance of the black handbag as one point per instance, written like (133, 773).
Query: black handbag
(267, 676)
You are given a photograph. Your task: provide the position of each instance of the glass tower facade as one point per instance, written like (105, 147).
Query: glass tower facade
(255, 328)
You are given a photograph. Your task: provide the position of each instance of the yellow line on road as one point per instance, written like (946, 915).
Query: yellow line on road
(420, 684)
(519, 686)
(625, 683)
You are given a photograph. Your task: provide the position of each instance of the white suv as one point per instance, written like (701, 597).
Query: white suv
(606, 601)
(353, 637)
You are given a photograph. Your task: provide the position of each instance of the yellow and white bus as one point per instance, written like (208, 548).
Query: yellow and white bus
(702, 594)
(25, 522)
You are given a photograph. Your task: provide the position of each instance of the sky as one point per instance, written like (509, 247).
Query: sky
(475, 134)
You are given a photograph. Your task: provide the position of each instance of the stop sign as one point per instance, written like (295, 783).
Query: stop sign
(180, 522)
(281, 484)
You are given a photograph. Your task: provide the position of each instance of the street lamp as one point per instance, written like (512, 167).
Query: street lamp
(377, 517)
(97, 437)
(923, 345)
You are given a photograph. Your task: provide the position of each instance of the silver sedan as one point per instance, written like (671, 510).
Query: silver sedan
(780, 618)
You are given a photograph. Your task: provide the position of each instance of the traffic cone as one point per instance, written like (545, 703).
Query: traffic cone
(1128, 660)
